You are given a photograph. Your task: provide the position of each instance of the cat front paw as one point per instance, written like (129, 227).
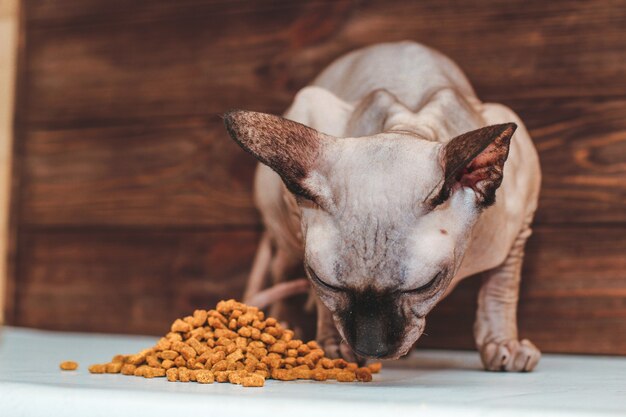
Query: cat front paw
(510, 355)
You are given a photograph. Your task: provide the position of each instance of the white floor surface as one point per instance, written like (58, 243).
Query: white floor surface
(428, 383)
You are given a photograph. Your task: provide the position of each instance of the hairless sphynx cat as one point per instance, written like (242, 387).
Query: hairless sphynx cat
(390, 181)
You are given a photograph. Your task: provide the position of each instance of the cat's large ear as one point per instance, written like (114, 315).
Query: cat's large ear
(289, 148)
(476, 160)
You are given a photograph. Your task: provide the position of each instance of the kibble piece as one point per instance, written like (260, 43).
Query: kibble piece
(313, 344)
(332, 373)
(259, 353)
(180, 361)
(294, 344)
(272, 362)
(283, 374)
(317, 354)
(278, 347)
(68, 366)
(340, 363)
(184, 374)
(220, 366)
(204, 377)
(98, 368)
(177, 346)
(219, 316)
(128, 369)
(215, 358)
(250, 367)
(114, 367)
(153, 361)
(191, 363)
(268, 339)
(197, 333)
(199, 318)
(118, 358)
(235, 356)
(256, 344)
(263, 373)
(244, 319)
(301, 372)
(141, 370)
(151, 372)
(253, 380)
(346, 376)
(274, 331)
(224, 342)
(287, 335)
(304, 350)
(163, 344)
(241, 343)
(226, 333)
(245, 332)
(172, 374)
(137, 359)
(180, 326)
(235, 366)
(236, 377)
(188, 352)
(229, 345)
(255, 334)
(215, 323)
(319, 375)
(197, 346)
(326, 363)
(217, 313)
(227, 306)
(375, 367)
(204, 357)
(174, 337)
(363, 374)
(258, 324)
(221, 376)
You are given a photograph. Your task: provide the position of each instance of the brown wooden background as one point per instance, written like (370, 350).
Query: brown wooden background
(131, 206)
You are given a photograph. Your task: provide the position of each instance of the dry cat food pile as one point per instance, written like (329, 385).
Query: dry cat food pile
(234, 343)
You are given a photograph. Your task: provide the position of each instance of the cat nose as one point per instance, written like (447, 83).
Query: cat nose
(371, 338)
(373, 325)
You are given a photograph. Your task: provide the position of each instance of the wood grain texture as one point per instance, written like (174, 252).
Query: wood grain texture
(152, 59)
(582, 150)
(170, 173)
(129, 282)
(8, 52)
(12, 252)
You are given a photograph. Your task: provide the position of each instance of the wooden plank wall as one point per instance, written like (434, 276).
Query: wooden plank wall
(131, 206)
(8, 52)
